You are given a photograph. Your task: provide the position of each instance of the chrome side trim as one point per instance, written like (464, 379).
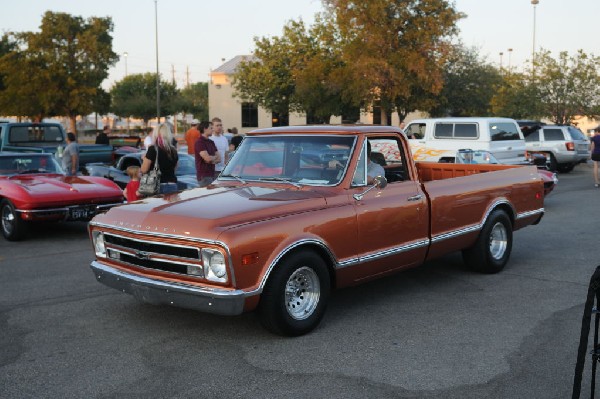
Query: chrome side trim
(456, 233)
(530, 213)
(394, 251)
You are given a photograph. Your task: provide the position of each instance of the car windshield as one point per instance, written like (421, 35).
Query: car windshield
(470, 156)
(28, 163)
(303, 159)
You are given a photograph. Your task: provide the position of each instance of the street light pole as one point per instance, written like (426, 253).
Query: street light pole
(157, 72)
(509, 56)
(535, 3)
(501, 54)
(125, 54)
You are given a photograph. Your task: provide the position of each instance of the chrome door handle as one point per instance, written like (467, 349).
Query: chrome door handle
(417, 197)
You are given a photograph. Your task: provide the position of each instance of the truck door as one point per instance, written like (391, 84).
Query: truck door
(393, 223)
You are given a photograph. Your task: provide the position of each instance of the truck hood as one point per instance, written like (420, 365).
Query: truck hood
(65, 190)
(206, 212)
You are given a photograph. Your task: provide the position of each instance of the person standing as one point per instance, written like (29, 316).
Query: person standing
(596, 156)
(191, 136)
(70, 156)
(131, 190)
(163, 149)
(221, 142)
(102, 137)
(206, 155)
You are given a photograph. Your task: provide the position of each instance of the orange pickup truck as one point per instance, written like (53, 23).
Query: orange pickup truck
(298, 212)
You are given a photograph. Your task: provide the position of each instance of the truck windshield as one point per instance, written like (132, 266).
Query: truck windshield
(303, 159)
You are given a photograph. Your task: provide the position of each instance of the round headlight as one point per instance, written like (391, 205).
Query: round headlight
(217, 265)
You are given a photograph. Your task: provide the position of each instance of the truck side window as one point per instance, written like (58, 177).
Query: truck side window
(388, 152)
(415, 131)
(360, 174)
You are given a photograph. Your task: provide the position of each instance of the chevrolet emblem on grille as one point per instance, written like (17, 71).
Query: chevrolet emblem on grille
(142, 255)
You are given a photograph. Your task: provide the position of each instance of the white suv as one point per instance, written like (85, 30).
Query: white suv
(563, 146)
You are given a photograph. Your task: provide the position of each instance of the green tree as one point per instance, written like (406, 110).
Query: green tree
(516, 97)
(393, 50)
(568, 86)
(469, 84)
(135, 96)
(58, 71)
(194, 100)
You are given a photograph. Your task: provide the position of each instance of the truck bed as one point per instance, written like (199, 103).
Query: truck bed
(429, 171)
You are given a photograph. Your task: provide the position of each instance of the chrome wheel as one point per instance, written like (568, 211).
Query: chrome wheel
(302, 292)
(498, 241)
(8, 220)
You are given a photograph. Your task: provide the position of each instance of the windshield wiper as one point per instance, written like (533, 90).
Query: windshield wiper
(22, 172)
(235, 177)
(280, 179)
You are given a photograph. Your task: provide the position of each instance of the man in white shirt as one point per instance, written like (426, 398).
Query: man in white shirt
(221, 142)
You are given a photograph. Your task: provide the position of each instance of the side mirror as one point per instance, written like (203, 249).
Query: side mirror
(379, 182)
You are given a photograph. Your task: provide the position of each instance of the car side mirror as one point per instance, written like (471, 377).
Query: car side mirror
(379, 182)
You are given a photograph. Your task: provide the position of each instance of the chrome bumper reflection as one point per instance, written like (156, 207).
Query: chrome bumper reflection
(158, 292)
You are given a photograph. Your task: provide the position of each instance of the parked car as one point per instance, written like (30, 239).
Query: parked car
(185, 171)
(33, 188)
(500, 136)
(563, 146)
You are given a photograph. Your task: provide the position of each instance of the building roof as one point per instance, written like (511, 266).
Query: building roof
(230, 66)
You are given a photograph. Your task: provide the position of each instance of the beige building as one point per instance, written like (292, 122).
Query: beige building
(245, 116)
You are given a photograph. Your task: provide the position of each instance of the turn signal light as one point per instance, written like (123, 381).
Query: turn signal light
(249, 259)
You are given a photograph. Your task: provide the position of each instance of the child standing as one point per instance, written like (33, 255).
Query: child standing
(130, 191)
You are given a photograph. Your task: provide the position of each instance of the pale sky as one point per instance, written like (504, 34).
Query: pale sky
(194, 35)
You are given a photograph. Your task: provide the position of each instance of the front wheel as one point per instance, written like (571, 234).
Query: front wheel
(493, 246)
(295, 297)
(13, 228)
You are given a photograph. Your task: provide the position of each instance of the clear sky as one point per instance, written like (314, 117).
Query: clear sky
(195, 35)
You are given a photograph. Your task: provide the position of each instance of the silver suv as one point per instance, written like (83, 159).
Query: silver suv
(563, 146)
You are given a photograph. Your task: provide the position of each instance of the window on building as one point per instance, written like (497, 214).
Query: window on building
(249, 115)
(280, 119)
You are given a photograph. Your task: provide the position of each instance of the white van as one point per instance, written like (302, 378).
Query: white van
(430, 139)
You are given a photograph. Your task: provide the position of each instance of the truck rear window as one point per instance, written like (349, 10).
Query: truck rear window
(504, 132)
(455, 131)
(35, 134)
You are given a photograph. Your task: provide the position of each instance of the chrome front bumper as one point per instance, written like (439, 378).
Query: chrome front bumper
(158, 292)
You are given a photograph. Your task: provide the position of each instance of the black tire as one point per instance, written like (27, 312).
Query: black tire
(552, 163)
(13, 228)
(565, 167)
(295, 297)
(493, 246)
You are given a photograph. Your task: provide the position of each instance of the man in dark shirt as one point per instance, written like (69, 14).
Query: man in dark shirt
(102, 137)
(206, 154)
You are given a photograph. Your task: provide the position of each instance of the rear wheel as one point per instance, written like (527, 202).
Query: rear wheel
(493, 246)
(13, 228)
(552, 163)
(295, 297)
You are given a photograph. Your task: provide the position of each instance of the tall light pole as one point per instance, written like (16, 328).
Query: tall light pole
(535, 3)
(501, 54)
(509, 56)
(125, 54)
(157, 72)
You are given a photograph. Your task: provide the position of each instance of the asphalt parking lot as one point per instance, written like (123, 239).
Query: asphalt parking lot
(438, 331)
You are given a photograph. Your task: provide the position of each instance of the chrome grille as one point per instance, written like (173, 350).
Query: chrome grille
(172, 258)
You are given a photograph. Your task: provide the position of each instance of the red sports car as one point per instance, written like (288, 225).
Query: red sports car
(34, 188)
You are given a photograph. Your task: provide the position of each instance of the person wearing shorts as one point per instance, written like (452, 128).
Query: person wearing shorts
(596, 155)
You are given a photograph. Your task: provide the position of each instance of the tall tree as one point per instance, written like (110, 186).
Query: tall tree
(469, 84)
(516, 97)
(135, 96)
(58, 71)
(568, 86)
(194, 100)
(394, 49)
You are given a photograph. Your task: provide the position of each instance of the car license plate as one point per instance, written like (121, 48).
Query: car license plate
(79, 214)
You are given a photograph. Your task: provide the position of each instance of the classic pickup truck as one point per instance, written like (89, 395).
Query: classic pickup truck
(295, 214)
(48, 138)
